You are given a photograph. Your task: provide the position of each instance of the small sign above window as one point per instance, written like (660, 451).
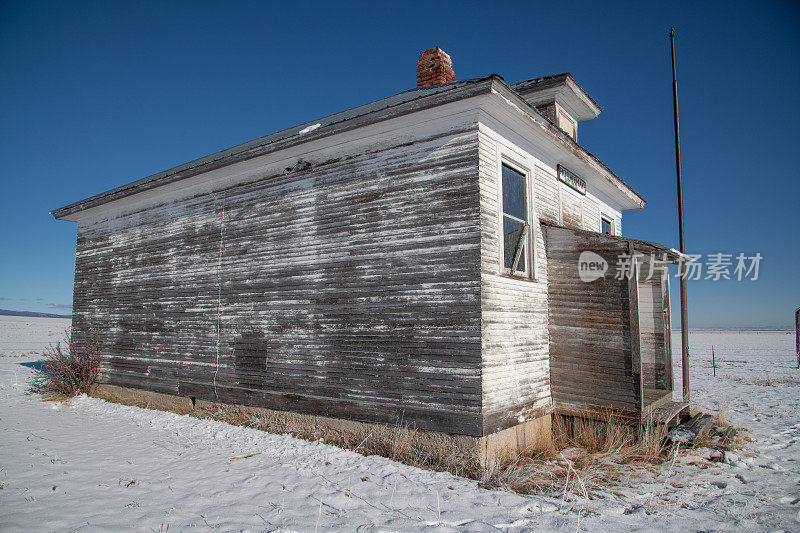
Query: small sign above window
(571, 179)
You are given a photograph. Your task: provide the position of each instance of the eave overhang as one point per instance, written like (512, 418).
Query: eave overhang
(384, 109)
(646, 248)
(629, 199)
(561, 88)
(387, 108)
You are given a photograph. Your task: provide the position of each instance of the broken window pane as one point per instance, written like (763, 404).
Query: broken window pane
(512, 229)
(515, 216)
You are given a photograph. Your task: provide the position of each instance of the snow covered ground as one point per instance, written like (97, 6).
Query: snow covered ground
(92, 466)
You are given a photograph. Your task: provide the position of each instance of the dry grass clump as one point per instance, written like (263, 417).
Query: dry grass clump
(767, 381)
(579, 456)
(399, 443)
(774, 381)
(586, 455)
(70, 370)
(722, 435)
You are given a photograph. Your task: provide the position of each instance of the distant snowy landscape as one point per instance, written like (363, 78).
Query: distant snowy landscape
(88, 465)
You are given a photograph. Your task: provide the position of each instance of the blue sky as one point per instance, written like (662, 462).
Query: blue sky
(97, 94)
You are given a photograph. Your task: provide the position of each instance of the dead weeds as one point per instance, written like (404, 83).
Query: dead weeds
(583, 455)
(767, 381)
(587, 455)
(579, 457)
(403, 444)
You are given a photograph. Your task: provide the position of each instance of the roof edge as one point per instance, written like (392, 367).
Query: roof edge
(570, 143)
(555, 79)
(669, 253)
(302, 133)
(338, 123)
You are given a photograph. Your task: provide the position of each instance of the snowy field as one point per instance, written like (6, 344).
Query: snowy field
(92, 466)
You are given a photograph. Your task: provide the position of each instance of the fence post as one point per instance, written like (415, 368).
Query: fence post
(713, 360)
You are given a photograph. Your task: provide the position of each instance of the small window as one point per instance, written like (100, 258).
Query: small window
(606, 226)
(515, 221)
(566, 123)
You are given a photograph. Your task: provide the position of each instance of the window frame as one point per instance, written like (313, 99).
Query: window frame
(610, 221)
(529, 255)
(560, 111)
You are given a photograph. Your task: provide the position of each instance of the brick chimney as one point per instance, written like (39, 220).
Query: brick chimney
(434, 67)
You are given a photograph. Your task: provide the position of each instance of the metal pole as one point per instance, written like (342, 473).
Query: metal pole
(713, 361)
(684, 313)
(797, 333)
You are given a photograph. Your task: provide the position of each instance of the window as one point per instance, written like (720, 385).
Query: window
(606, 226)
(566, 123)
(516, 230)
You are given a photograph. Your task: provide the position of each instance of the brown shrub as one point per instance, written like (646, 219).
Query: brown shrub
(68, 371)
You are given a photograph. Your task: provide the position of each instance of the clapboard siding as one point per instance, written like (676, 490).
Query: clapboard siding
(590, 326)
(591, 214)
(547, 205)
(349, 289)
(571, 208)
(516, 374)
(652, 327)
(558, 204)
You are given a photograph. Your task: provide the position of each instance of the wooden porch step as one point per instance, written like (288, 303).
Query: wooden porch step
(688, 431)
(665, 413)
(653, 399)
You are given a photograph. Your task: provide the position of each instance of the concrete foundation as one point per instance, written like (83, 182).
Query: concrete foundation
(532, 436)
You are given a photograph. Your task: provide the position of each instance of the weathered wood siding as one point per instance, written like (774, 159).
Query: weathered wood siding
(591, 215)
(547, 204)
(349, 289)
(571, 208)
(560, 205)
(665, 299)
(516, 344)
(652, 327)
(516, 371)
(590, 326)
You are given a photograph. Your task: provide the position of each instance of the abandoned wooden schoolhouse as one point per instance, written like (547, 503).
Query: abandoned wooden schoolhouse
(446, 258)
